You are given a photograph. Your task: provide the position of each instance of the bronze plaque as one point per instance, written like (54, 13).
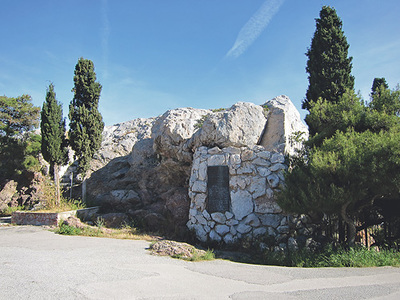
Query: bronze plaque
(219, 198)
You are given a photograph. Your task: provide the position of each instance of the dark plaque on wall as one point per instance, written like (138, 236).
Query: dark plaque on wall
(219, 198)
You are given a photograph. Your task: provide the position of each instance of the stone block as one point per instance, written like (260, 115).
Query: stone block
(277, 158)
(245, 169)
(200, 200)
(218, 217)
(263, 171)
(248, 155)
(261, 231)
(263, 205)
(216, 160)
(200, 232)
(273, 180)
(243, 228)
(233, 230)
(201, 220)
(264, 154)
(215, 236)
(237, 182)
(228, 215)
(257, 187)
(229, 239)
(214, 150)
(231, 150)
(273, 220)
(221, 229)
(232, 222)
(206, 215)
(202, 172)
(242, 204)
(283, 229)
(199, 186)
(235, 160)
(261, 162)
(252, 220)
(277, 167)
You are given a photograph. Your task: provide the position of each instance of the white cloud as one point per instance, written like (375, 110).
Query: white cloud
(254, 27)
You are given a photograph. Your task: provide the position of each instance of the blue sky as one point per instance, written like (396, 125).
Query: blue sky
(155, 55)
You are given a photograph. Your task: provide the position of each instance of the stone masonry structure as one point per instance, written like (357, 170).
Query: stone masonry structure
(254, 176)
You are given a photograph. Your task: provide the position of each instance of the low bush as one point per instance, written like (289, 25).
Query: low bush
(9, 210)
(329, 257)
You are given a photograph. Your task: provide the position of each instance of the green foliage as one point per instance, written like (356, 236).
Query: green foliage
(351, 159)
(52, 126)
(9, 210)
(346, 173)
(377, 83)
(86, 122)
(329, 257)
(328, 66)
(32, 150)
(200, 122)
(68, 230)
(208, 255)
(18, 151)
(215, 110)
(54, 142)
(385, 100)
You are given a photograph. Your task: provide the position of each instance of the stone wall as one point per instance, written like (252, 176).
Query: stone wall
(35, 218)
(254, 176)
(50, 219)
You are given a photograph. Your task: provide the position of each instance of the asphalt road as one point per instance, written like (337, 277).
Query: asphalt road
(38, 264)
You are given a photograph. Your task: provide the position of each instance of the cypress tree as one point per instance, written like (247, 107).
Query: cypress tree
(86, 122)
(54, 143)
(376, 84)
(328, 66)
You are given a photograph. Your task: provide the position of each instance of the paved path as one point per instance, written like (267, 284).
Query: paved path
(38, 264)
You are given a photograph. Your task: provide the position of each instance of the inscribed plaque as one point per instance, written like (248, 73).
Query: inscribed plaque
(219, 198)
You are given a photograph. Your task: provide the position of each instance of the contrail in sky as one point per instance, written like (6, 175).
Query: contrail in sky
(254, 27)
(105, 35)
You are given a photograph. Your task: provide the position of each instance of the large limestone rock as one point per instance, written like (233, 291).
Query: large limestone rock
(143, 167)
(173, 128)
(239, 126)
(119, 139)
(283, 123)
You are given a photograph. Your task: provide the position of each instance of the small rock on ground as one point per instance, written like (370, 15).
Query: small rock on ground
(175, 249)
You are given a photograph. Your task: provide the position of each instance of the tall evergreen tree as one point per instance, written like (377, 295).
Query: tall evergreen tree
(54, 144)
(86, 122)
(378, 82)
(328, 66)
(383, 99)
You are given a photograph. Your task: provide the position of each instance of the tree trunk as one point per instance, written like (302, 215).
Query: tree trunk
(57, 183)
(351, 234)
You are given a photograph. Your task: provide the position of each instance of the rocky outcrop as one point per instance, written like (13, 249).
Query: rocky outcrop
(119, 139)
(173, 129)
(150, 182)
(241, 125)
(284, 128)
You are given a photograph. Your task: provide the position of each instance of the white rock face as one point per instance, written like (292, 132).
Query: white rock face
(173, 128)
(283, 121)
(119, 139)
(240, 125)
